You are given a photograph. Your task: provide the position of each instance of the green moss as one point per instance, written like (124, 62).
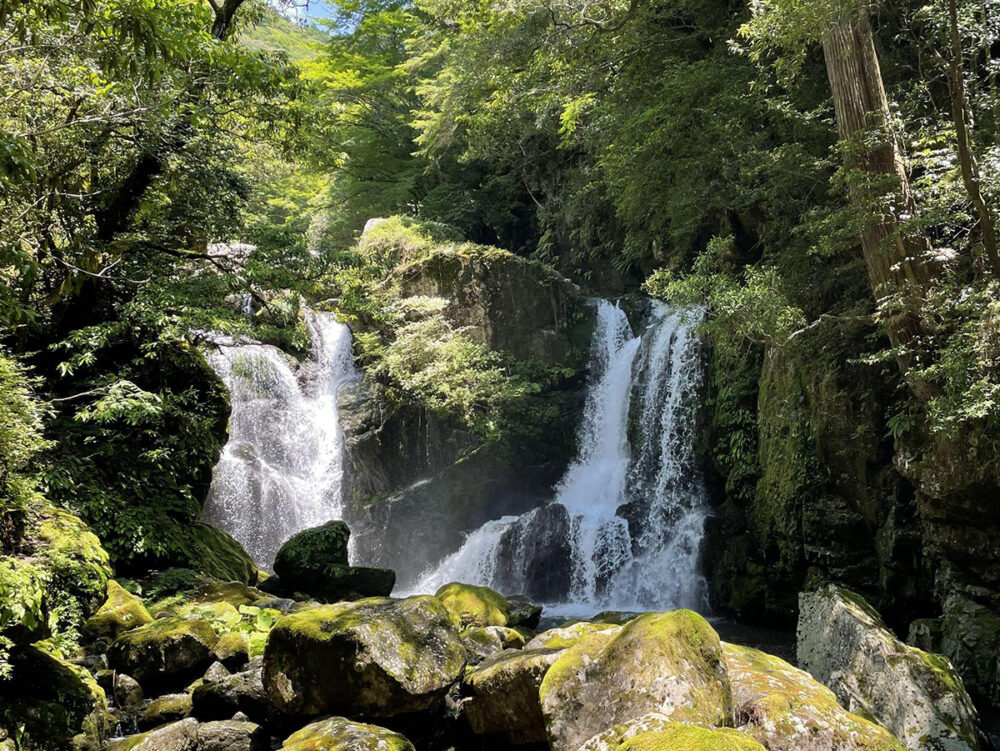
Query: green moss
(566, 636)
(215, 553)
(119, 613)
(167, 708)
(677, 736)
(339, 734)
(778, 703)
(470, 605)
(51, 700)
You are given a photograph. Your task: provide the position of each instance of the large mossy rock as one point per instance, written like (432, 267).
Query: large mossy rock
(306, 554)
(670, 662)
(656, 732)
(216, 553)
(121, 612)
(377, 657)
(916, 695)
(471, 605)
(503, 694)
(48, 701)
(339, 734)
(168, 651)
(787, 710)
(314, 562)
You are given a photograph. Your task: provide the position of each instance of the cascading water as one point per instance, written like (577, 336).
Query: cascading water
(281, 470)
(623, 531)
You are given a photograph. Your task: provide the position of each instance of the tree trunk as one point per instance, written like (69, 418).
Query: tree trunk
(966, 157)
(900, 261)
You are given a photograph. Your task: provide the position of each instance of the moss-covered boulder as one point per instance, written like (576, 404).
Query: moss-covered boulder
(216, 553)
(502, 694)
(469, 605)
(670, 662)
(120, 612)
(306, 554)
(787, 710)
(48, 701)
(165, 709)
(232, 735)
(339, 734)
(916, 695)
(177, 736)
(169, 651)
(656, 732)
(566, 636)
(378, 657)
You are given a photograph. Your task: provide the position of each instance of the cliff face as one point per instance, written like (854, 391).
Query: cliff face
(417, 479)
(841, 494)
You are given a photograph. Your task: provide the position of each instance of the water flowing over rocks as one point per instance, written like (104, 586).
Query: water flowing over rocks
(624, 528)
(282, 468)
(918, 696)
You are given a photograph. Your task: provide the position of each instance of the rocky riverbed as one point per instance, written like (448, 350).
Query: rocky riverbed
(185, 662)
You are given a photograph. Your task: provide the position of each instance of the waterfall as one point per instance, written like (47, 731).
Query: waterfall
(281, 470)
(624, 528)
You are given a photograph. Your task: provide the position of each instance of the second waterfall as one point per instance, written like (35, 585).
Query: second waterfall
(624, 528)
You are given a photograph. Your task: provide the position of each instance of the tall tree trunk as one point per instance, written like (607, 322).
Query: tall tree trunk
(899, 260)
(966, 156)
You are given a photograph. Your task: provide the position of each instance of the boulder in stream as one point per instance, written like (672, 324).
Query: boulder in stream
(120, 612)
(669, 662)
(470, 605)
(377, 657)
(787, 710)
(916, 695)
(339, 734)
(314, 562)
(503, 694)
(168, 651)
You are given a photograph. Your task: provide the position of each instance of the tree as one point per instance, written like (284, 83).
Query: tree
(900, 260)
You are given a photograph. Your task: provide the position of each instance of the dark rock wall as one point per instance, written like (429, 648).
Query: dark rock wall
(417, 482)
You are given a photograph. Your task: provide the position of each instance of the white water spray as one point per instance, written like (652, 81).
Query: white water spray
(282, 468)
(632, 525)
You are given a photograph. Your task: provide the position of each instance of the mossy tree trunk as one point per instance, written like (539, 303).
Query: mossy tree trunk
(899, 259)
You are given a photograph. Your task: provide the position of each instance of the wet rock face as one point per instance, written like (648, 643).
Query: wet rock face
(916, 695)
(826, 497)
(538, 545)
(414, 484)
(376, 657)
(669, 662)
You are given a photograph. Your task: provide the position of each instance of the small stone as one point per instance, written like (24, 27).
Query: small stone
(232, 735)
